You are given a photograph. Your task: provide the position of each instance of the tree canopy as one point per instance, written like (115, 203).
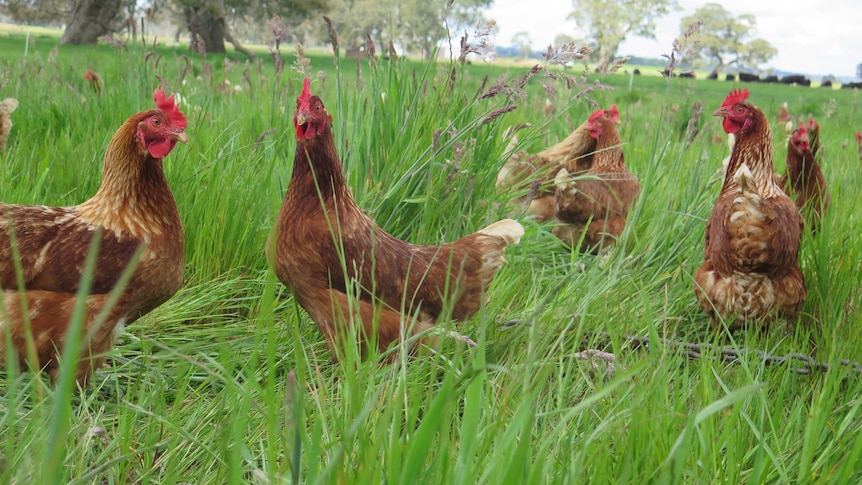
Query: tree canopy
(411, 25)
(726, 39)
(609, 22)
(415, 26)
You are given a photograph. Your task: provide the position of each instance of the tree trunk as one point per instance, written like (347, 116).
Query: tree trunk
(714, 73)
(236, 45)
(207, 21)
(90, 20)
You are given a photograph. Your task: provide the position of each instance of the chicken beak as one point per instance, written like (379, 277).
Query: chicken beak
(719, 112)
(180, 136)
(301, 119)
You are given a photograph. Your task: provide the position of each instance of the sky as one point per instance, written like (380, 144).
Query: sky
(810, 40)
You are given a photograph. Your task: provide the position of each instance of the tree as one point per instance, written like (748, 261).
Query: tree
(413, 25)
(44, 12)
(522, 42)
(92, 19)
(609, 22)
(211, 19)
(562, 39)
(859, 70)
(725, 40)
(756, 53)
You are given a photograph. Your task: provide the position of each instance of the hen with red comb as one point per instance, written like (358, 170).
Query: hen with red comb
(132, 213)
(750, 273)
(352, 276)
(530, 178)
(803, 180)
(591, 210)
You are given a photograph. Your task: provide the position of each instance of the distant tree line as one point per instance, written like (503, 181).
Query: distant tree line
(415, 26)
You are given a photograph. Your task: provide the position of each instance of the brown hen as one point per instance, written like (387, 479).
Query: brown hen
(593, 207)
(344, 270)
(132, 211)
(803, 179)
(750, 270)
(535, 174)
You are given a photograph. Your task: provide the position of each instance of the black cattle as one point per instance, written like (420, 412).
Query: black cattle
(636, 72)
(688, 74)
(796, 79)
(851, 86)
(730, 77)
(771, 79)
(749, 78)
(826, 84)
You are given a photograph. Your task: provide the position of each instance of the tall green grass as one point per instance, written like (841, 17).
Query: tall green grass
(230, 382)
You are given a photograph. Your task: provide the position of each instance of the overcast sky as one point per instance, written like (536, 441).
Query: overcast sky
(811, 39)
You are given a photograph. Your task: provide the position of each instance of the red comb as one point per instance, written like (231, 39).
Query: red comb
(613, 113)
(597, 113)
(801, 129)
(305, 97)
(166, 104)
(735, 96)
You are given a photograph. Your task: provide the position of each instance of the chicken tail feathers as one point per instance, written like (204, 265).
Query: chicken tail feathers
(508, 230)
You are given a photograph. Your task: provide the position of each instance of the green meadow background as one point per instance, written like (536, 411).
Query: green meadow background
(230, 381)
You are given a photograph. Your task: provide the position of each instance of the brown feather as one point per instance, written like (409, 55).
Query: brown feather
(750, 270)
(324, 246)
(7, 106)
(521, 170)
(804, 179)
(133, 207)
(596, 204)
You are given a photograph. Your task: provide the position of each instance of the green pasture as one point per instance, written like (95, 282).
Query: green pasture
(230, 381)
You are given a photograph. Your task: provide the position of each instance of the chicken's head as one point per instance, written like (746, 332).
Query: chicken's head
(310, 117)
(799, 139)
(738, 115)
(594, 123)
(162, 127)
(613, 114)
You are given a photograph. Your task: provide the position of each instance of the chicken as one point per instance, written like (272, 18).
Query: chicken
(814, 137)
(7, 107)
(94, 80)
(750, 270)
(537, 172)
(594, 206)
(132, 213)
(328, 253)
(784, 118)
(804, 179)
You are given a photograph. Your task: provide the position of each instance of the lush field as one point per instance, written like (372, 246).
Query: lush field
(230, 381)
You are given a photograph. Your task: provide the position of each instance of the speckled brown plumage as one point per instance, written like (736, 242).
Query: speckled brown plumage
(324, 248)
(133, 207)
(750, 270)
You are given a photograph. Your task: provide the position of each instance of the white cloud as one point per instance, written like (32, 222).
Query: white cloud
(811, 39)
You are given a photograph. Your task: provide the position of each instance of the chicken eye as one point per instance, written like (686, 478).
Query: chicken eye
(739, 109)
(157, 122)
